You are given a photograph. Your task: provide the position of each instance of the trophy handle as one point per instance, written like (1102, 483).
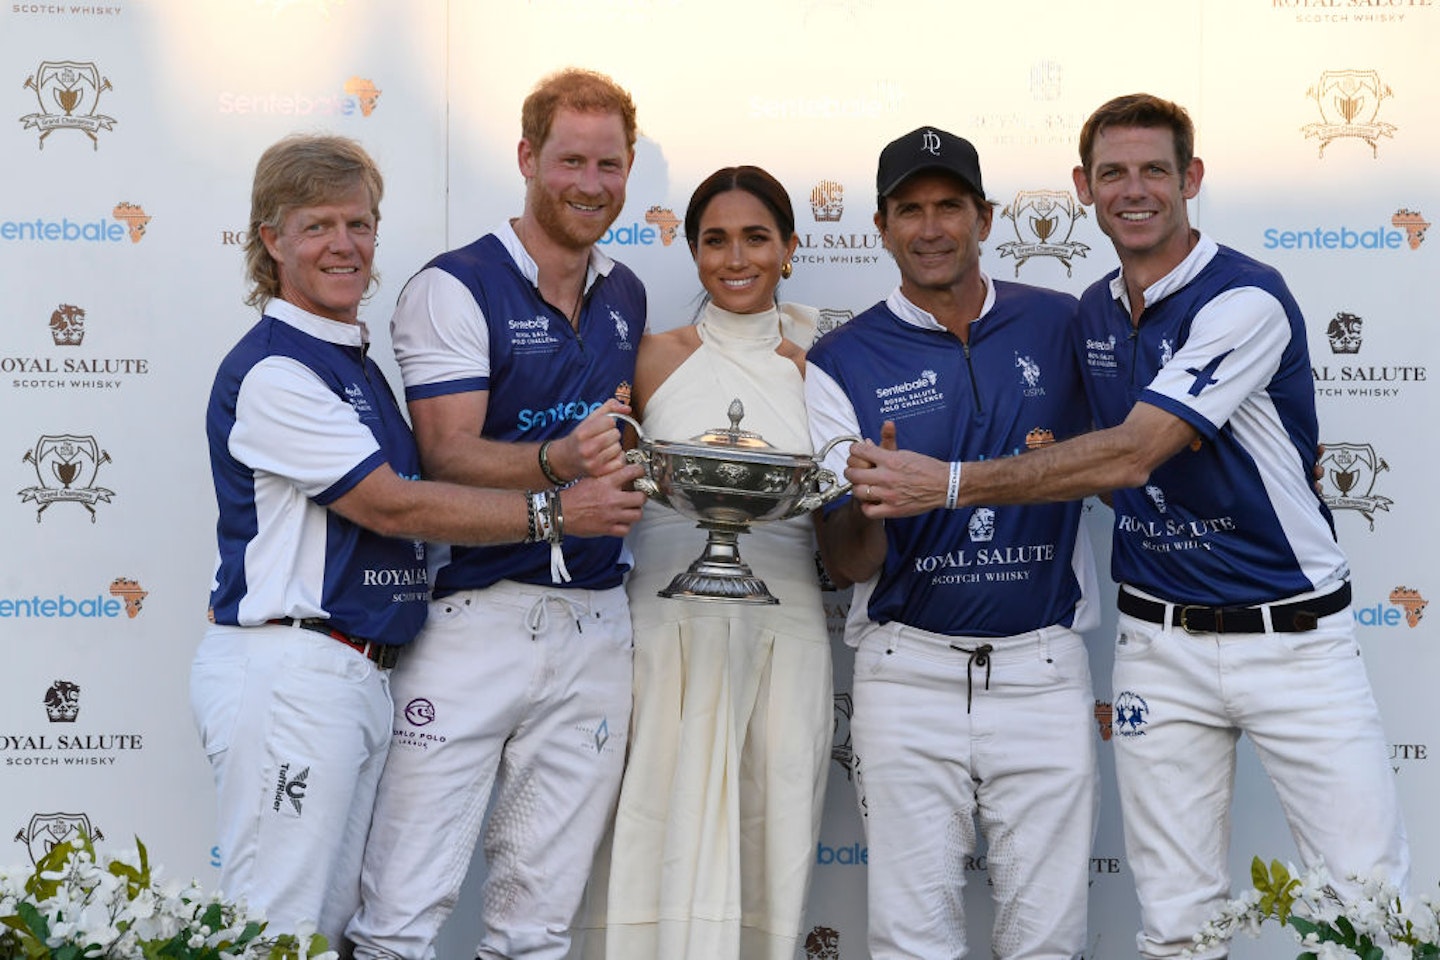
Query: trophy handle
(827, 485)
(641, 455)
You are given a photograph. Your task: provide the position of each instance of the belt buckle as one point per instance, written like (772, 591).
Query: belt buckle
(1184, 612)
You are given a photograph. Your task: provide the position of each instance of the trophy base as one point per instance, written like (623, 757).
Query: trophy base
(719, 574)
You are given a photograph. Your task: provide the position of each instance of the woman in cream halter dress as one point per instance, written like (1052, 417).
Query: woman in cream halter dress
(719, 811)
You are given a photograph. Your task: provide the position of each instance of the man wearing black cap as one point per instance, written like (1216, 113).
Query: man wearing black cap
(972, 686)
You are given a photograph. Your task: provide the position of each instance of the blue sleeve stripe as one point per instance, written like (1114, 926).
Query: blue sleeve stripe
(347, 483)
(424, 391)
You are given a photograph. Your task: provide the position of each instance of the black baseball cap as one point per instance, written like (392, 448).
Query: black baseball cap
(928, 148)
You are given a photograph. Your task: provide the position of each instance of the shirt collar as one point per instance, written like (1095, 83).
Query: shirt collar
(321, 328)
(1186, 270)
(900, 305)
(599, 266)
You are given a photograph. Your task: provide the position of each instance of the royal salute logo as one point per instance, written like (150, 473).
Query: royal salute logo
(1131, 712)
(841, 749)
(62, 702)
(46, 831)
(66, 466)
(827, 201)
(1349, 103)
(1045, 80)
(67, 367)
(68, 92)
(74, 746)
(1348, 482)
(981, 525)
(822, 943)
(1043, 221)
(1403, 755)
(1157, 497)
(1345, 333)
(67, 325)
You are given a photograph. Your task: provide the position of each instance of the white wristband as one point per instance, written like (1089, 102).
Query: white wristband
(952, 491)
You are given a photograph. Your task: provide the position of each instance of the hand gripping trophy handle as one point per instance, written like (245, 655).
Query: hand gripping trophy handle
(641, 455)
(827, 485)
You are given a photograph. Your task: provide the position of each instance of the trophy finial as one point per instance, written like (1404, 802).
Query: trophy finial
(736, 413)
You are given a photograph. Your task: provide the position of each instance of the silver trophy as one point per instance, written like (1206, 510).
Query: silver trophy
(726, 479)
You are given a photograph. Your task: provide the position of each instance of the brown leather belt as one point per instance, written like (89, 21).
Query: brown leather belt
(1299, 616)
(383, 655)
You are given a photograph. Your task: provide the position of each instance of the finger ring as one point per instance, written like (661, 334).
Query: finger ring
(869, 491)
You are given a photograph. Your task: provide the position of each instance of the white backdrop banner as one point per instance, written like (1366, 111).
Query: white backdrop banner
(129, 133)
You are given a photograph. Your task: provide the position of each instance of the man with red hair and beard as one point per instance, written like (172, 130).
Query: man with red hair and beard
(515, 351)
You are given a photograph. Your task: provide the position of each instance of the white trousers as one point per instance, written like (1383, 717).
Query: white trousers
(521, 691)
(1021, 758)
(296, 726)
(1181, 702)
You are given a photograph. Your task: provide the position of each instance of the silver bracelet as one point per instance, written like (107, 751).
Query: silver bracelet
(545, 467)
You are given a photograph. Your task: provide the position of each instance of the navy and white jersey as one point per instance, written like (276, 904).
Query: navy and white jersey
(298, 416)
(473, 320)
(1235, 518)
(979, 571)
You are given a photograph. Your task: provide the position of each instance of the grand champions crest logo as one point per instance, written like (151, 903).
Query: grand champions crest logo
(1043, 221)
(1349, 103)
(68, 92)
(1350, 471)
(66, 466)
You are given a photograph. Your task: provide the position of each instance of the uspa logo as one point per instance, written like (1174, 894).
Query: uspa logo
(45, 831)
(1349, 480)
(827, 201)
(1349, 104)
(1043, 221)
(68, 92)
(66, 466)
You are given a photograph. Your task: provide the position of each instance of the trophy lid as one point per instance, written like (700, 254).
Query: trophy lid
(732, 437)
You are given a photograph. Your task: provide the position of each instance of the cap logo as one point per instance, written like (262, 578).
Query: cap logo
(930, 143)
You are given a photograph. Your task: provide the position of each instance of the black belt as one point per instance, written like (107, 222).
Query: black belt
(383, 655)
(1300, 616)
